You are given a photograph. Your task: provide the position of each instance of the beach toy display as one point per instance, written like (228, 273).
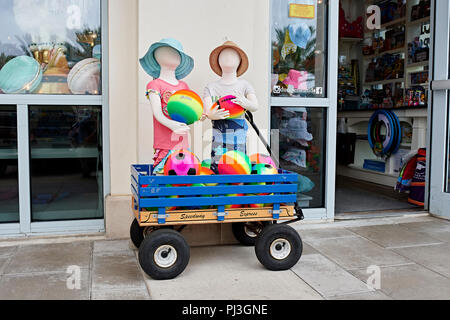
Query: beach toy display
(259, 158)
(182, 163)
(234, 162)
(84, 78)
(185, 106)
(384, 145)
(20, 75)
(225, 103)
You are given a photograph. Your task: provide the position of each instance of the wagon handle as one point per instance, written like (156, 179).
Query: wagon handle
(250, 119)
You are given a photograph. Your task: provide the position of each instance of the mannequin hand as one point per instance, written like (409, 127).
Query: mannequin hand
(218, 114)
(244, 102)
(178, 127)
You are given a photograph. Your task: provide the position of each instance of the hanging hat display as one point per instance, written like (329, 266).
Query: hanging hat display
(22, 74)
(300, 34)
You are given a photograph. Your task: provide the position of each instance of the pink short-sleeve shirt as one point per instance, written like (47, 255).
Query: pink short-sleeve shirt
(163, 137)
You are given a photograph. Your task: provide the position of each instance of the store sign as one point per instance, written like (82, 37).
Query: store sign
(303, 11)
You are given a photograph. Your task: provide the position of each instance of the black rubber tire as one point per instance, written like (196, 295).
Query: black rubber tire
(239, 232)
(268, 236)
(150, 245)
(136, 233)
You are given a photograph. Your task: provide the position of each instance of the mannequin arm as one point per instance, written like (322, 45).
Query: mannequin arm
(176, 127)
(216, 113)
(249, 103)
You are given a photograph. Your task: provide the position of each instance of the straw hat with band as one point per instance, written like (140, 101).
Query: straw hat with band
(214, 58)
(152, 67)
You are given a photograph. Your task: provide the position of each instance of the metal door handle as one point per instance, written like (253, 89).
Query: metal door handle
(440, 85)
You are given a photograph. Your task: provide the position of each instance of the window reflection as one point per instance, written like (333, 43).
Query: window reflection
(299, 48)
(66, 163)
(50, 47)
(9, 184)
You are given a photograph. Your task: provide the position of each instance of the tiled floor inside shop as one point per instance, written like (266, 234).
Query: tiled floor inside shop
(413, 254)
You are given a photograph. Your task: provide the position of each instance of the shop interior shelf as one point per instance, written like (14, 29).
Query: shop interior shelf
(372, 171)
(418, 21)
(418, 64)
(388, 24)
(374, 83)
(393, 51)
(348, 39)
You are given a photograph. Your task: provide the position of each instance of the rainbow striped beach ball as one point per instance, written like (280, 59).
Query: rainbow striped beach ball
(235, 162)
(185, 106)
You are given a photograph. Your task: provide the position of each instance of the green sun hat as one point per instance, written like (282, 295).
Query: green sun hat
(152, 67)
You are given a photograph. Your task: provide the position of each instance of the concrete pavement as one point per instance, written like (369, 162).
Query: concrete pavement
(412, 254)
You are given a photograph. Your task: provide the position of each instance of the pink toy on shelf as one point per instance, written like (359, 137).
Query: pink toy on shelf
(298, 79)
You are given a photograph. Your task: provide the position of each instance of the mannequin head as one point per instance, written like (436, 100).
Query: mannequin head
(168, 58)
(229, 60)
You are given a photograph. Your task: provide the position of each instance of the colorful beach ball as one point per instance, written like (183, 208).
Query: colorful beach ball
(263, 168)
(225, 103)
(207, 172)
(182, 163)
(234, 206)
(260, 205)
(185, 106)
(234, 162)
(207, 163)
(259, 158)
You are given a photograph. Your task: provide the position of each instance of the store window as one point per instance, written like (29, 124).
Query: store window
(9, 186)
(301, 139)
(50, 47)
(66, 163)
(299, 48)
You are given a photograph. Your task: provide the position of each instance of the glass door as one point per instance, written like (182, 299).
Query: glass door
(440, 136)
(303, 113)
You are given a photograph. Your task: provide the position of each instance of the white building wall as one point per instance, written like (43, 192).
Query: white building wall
(201, 26)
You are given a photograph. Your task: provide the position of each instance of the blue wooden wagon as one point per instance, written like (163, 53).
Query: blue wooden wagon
(259, 207)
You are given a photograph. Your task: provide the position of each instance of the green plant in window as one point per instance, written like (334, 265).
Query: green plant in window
(302, 59)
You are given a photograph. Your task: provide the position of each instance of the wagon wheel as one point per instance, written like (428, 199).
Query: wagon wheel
(279, 247)
(138, 233)
(247, 232)
(164, 254)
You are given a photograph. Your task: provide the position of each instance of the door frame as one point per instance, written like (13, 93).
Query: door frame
(22, 101)
(437, 162)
